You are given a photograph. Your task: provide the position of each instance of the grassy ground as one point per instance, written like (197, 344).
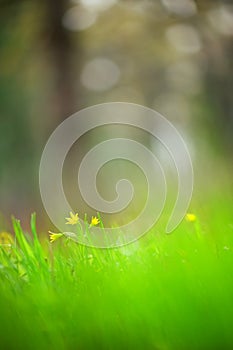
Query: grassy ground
(162, 292)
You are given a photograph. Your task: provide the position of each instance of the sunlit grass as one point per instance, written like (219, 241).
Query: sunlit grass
(161, 292)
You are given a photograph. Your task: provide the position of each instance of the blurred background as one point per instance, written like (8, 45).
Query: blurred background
(59, 56)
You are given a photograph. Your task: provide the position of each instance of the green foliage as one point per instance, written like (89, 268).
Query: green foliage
(162, 292)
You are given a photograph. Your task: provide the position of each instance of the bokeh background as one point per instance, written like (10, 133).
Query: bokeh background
(59, 56)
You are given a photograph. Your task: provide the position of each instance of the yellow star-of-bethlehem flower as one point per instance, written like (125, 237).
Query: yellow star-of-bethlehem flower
(6, 238)
(190, 217)
(54, 236)
(73, 220)
(94, 221)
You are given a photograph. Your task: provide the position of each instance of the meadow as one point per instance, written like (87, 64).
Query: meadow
(77, 58)
(162, 292)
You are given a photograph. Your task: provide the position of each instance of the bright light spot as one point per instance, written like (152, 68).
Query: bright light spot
(184, 8)
(140, 6)
(100, 74)
(98, 5)
(77, 18)
(222, 19)
(184, 38)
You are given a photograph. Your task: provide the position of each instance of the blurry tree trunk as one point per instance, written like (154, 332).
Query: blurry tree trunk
(219, 86)
(61, 51)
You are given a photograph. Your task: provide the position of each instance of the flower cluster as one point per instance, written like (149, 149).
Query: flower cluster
(72, 220)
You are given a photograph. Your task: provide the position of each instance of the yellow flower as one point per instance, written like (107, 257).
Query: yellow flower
(73, 220)
(190, 217)
(94, 221)
(54, 236)
(6, 241)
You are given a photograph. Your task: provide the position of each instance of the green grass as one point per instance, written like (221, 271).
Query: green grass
(162, 292)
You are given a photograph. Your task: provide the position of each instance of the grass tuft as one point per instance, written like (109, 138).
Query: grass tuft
(161, 292)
